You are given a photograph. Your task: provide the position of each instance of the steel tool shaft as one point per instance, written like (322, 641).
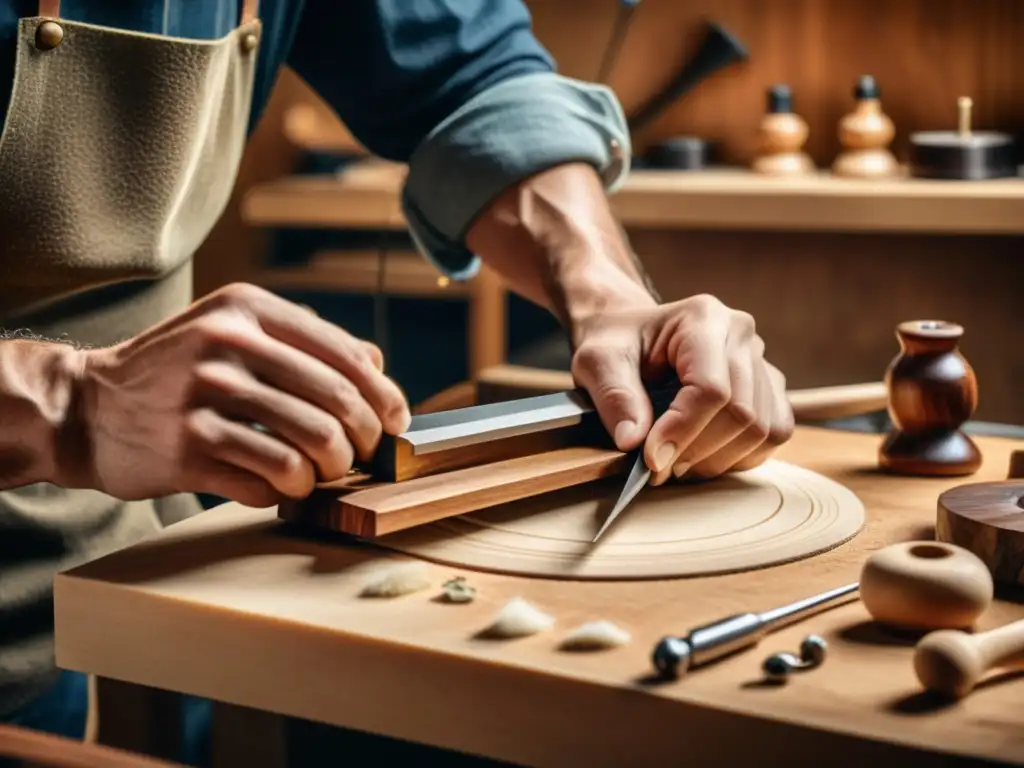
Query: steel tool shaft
(674, 656)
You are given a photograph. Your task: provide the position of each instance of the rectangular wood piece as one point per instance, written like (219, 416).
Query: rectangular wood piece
(362, 508)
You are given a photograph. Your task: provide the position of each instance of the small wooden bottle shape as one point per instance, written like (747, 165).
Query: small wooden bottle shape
(865, 135)
(932, 392)
(782, 137)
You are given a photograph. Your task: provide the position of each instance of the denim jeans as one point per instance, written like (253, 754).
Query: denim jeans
(63, 709)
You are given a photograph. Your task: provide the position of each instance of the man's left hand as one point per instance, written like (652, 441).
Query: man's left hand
(731, 413)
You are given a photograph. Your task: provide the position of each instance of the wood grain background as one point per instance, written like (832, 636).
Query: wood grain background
(825, 303)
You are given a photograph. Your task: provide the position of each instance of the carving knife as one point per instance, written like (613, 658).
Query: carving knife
(640, 474)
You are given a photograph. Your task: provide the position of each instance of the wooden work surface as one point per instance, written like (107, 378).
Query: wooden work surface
(235, 606)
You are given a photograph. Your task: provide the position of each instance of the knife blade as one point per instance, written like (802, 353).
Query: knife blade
(640, 474)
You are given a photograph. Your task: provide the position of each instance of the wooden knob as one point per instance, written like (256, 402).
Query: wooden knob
(952, 663)
(988, 519)
(925, 585)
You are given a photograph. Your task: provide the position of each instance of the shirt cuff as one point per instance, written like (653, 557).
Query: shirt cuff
(510, 132)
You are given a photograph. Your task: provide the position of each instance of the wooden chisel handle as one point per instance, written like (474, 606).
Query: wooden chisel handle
(838, 402)
(508, 382)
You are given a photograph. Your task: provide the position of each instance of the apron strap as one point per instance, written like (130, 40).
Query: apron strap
(250, 10)
(51, 9)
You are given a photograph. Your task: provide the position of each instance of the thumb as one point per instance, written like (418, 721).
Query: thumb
(611, 377)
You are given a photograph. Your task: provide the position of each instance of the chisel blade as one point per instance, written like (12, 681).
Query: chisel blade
(639, 475)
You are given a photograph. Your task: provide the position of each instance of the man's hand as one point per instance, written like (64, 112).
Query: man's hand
(173, 409)
(732, 411)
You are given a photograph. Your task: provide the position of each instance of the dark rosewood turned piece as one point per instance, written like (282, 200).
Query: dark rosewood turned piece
(988, 520)
(932, 392)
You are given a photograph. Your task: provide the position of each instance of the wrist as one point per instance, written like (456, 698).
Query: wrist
(593, 287)
(40, 391)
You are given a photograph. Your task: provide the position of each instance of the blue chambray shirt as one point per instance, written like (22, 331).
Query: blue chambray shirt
(461, 90)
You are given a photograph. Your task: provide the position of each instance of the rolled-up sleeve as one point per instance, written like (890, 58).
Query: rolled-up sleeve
(463, 92)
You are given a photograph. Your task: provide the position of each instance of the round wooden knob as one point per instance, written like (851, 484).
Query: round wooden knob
(924, 585)
(987, 519)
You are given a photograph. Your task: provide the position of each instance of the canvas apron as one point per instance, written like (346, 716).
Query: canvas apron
(118, 155)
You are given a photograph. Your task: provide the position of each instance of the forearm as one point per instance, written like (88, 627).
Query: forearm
(36, 409)
(555, 241)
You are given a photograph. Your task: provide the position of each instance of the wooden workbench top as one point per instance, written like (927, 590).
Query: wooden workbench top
(236, 606)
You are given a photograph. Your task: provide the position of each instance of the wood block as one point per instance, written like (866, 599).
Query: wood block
(987, 519)
(360, 507)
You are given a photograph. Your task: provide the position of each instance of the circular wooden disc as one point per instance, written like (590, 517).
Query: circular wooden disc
(773, 514)
(988, 520)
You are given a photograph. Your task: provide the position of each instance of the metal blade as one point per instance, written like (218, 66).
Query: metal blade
(639, 475)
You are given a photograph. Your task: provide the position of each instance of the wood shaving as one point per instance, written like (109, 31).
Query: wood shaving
(398, 580)
(596, 635)
(518, 619)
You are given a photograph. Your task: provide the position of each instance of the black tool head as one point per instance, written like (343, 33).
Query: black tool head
(780, 99)
(867, 88)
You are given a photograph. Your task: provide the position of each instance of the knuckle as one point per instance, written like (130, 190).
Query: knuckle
(757, 347)
(216, 375)
(714, 393)
(758, 430)
(327, 435)
(743, 414)
(588, 360)
(343, 400)
(706, 304)
(780, 433)
(743, 322)
(200, 427)
(240, 294)
(219, 332)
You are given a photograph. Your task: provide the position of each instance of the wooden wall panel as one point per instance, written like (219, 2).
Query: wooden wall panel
(924, 54)
(827, 305)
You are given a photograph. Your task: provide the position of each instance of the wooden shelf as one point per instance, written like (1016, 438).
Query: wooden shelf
(366, 196)
(405, 274)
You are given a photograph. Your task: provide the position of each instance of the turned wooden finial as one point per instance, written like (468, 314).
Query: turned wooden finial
(952, 663)
(865, 135)
(964, 105)
(782, 136)
(932, 392)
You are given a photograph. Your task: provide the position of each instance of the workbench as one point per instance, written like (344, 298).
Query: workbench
(240, 607)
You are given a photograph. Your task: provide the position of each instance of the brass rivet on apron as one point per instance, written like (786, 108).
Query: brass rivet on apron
(49, 35)
(249, 42)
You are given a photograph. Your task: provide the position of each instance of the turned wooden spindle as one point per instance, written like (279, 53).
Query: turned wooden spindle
(865, 135)
(932, 392)
(782, 135)
(952, 663)
(925, 585)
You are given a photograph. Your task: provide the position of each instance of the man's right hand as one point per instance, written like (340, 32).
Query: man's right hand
(173, 409)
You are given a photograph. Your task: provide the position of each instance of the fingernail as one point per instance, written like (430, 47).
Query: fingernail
(665, 453)
(680, 469)
(623, 431)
